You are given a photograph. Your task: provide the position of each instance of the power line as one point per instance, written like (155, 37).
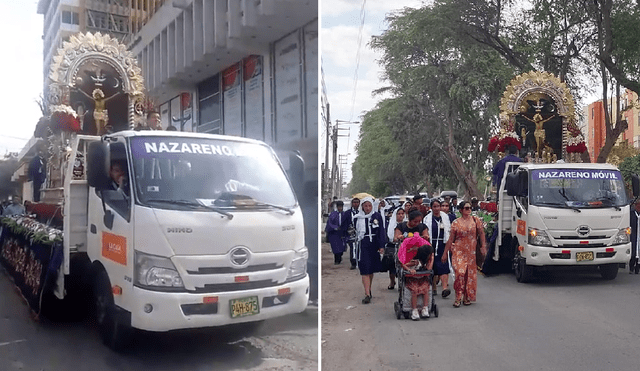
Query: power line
(355, 75)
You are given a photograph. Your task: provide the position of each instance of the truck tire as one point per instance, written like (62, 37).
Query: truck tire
(609, 271)
(114, 334)
(524, 272)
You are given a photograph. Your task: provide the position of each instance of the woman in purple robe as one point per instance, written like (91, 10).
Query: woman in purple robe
(336, 229)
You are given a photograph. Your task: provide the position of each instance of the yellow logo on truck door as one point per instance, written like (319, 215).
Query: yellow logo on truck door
(114, 247)
(522, 227)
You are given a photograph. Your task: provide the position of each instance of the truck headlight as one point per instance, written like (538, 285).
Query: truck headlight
(298, 266)
(538, 237)
(622, 237)
(156, 271)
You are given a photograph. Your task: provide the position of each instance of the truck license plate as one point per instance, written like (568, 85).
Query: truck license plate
(244, 307)
(584, 255)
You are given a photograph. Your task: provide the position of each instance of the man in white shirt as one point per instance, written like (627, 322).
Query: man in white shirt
(15, 208)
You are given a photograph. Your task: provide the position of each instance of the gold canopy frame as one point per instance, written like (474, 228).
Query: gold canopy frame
(536, 84)
(97, 49)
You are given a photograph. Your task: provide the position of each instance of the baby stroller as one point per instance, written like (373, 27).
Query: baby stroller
(402, 307)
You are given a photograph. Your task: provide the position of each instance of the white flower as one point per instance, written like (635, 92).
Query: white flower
(63, 108)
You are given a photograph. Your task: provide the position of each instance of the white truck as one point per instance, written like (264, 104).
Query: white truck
(206, 232)
(563, 214)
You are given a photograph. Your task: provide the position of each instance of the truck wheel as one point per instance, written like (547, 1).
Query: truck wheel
(524, 273)
(115, 335)
(609, 271)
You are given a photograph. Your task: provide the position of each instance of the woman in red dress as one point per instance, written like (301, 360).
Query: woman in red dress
(466, 232)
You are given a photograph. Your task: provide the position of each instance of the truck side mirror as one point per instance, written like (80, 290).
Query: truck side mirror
(512, 185)
(635, 185)
(98, 165)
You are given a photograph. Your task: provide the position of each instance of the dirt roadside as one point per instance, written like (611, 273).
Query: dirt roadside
(347, 328)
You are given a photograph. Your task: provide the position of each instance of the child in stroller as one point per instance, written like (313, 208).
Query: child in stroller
(415, 264)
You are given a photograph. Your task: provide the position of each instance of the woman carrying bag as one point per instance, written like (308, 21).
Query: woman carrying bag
(466, 233)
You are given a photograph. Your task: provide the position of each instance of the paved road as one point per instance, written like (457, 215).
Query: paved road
(563, 321)
(289, 343)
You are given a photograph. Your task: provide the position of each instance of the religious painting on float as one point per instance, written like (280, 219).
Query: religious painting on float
(98, 98)
(537, 115)
(539, 126)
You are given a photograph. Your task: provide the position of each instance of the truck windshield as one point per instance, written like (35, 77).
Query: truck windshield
(208, 174)
(577, 188)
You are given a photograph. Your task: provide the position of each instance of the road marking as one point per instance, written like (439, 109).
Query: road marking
(12, 342)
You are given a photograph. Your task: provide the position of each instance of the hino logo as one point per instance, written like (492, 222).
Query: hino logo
(583, 230)
(179, 230)
(240, 256)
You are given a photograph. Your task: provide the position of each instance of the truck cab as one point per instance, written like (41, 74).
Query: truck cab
(562, 214)
(204, 230)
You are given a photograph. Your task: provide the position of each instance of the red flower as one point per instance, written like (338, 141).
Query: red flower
(493, 143)
(64, 121)
(490, 207)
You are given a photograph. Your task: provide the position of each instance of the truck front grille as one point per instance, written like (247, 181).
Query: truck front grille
(227, 270)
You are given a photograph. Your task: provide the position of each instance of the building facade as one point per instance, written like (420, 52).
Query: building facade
(596, 133)
(243, 68)
(63, 18)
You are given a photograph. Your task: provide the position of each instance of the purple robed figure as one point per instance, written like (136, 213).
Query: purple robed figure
(336, 229)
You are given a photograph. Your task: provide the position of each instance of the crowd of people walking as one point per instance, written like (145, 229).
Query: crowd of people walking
(369, 232)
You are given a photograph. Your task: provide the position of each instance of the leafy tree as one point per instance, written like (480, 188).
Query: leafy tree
(449, 86)
(630, 166)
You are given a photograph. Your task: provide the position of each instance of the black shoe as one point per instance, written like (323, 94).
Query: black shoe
(353, 267)
(446, 292)
(366, 300)
(391, 287)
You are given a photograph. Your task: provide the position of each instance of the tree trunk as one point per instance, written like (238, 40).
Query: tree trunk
(467, 176)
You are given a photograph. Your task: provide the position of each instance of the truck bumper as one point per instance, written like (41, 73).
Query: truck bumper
(541, 256)
(173, 310)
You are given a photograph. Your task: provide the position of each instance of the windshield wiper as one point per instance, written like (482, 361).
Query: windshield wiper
(193, 204)
(611, 199)
(563, 193)
(248, 201)
(558, 204)
(289, 211)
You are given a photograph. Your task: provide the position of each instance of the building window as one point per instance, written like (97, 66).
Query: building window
(593, 113)
(209, 107)
(70, 17)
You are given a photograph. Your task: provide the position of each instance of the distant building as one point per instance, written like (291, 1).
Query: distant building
(596, 134)
(63, 18)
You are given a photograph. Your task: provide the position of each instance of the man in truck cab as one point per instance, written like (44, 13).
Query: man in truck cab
(119, 178)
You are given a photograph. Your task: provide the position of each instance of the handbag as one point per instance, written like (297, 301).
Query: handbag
(479, 255)
(389, 257)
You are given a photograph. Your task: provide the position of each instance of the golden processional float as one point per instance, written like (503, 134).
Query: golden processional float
(95, 87)
(537, 115)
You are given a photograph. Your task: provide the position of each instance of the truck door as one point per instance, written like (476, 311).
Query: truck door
(110, 234)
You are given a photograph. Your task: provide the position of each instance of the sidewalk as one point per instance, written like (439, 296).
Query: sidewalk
(354, 335)
(347, 324)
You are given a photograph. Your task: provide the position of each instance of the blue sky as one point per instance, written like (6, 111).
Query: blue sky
(339, 40)
(21, 71)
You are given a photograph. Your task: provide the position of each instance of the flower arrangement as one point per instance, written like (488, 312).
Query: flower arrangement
(510, 138)
(504, 140)
(32, 229)
(64, 118)
(493, 143)
(575, 144)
